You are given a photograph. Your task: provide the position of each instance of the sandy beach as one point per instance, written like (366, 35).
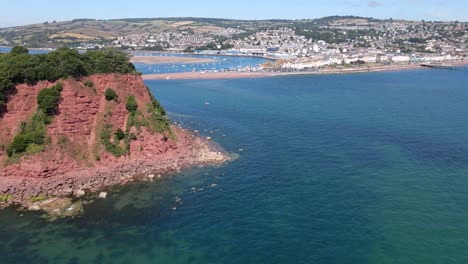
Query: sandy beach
(208, 75)
(265, 74)
(168, 59)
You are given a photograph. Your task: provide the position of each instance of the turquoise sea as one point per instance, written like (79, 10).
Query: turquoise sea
(363, 168)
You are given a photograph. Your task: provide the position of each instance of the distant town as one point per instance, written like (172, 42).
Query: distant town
(295, 45)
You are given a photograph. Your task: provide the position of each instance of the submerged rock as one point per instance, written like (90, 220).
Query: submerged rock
(34, 207)
(59, 208)
(73, 210)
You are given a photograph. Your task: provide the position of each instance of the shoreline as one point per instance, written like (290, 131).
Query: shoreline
(169, 60)
(268, 74)
(191, 55)
(8, 47)
(75, 161)
(191, 151)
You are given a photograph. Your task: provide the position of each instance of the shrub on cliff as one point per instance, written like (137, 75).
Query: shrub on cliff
(110, 95)
(157, 106)
(112, 148)
(131, 104)
(119, 134)
(31, 137)
(20, 144)
(89, 84)
(5, 197)
(158, 120)
(48, 99)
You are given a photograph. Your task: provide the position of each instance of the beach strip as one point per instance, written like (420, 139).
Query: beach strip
(169, 59)
(264, 74)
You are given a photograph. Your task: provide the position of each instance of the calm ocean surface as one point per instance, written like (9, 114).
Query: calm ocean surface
(220, 63)
(31, 51)
(364, 168)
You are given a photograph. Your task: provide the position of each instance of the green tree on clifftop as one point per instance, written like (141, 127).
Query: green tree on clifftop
(109, 61)
(19, 50)
(19, 66)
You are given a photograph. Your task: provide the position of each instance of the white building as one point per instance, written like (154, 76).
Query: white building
(315, 48)
(401, 59)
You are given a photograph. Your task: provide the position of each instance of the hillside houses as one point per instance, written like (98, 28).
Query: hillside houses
(344, 42)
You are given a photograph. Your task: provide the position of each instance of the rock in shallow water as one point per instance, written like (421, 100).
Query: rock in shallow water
(80, 193)
(34, 207)
(58, 208)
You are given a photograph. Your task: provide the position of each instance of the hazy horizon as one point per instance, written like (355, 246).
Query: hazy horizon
(430, 10)
(195, 17)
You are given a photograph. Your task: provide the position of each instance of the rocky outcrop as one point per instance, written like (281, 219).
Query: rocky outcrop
(75, 158)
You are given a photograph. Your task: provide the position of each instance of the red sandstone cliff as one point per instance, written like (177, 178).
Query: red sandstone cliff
(69, 162)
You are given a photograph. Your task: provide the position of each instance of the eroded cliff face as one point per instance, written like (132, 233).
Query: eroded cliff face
(75, 157)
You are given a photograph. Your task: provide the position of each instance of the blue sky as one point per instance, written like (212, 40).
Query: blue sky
(20, 12)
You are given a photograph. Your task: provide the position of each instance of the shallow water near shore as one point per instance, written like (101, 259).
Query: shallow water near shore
(217, 63)
(364, 168)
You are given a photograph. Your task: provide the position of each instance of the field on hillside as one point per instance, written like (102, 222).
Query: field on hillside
(54, 34)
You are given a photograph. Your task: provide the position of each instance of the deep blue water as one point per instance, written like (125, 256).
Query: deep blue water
(365, 168)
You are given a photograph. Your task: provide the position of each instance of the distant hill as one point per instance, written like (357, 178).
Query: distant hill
(53, 34)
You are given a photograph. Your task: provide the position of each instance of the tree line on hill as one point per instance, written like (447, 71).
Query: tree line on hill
(19, 67)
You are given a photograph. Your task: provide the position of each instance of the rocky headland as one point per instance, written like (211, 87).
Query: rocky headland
(93, 140)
